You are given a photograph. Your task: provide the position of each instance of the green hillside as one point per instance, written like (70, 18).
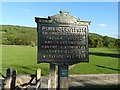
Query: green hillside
(21, 35)
(18, 35)
(24, 58)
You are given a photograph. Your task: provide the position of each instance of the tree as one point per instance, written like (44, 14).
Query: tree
(117, 43)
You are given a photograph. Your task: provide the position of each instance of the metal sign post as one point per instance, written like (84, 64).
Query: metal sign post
(62, 41)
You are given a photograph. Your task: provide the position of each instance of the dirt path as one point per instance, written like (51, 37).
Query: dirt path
(89, 80)
(94, 79)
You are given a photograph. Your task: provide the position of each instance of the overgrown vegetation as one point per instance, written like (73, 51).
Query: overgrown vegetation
(19, 35)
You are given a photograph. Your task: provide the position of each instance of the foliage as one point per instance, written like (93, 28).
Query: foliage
(117, 43)
(96, 40)
(19, 35)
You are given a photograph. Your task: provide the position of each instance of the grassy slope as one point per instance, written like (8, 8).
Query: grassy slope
(24, 60)
(101, 60)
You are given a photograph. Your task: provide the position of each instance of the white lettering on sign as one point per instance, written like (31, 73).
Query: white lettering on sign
(63, 43)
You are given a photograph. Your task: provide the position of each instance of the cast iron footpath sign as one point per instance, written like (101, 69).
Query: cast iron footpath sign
(62, 39)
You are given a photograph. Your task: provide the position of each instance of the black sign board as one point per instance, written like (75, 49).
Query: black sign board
(62, 43)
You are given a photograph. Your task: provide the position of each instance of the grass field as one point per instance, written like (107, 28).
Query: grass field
(24, 60)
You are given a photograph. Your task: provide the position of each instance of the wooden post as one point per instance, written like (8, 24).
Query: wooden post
(38, 75)
(38, 78)
(9, 72)
(53, 76)
(63, 77)
(13, 82)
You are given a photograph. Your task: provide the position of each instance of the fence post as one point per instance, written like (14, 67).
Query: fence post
(9, 72)
(13, 81)
(38, 75)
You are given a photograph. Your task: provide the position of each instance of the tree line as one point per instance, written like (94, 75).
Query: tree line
(21, 35)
